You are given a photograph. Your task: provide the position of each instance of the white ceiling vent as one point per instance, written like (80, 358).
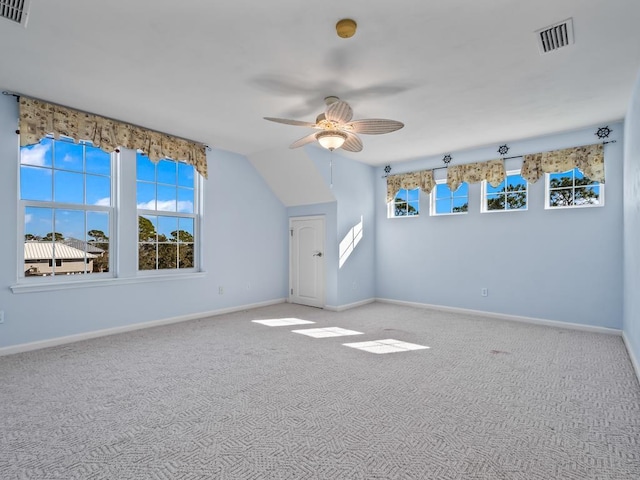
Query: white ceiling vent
(556, 36)
(15, 10)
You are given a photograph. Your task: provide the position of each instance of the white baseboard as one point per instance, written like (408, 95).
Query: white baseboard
(632, 355)
(342, 308)
(53, 342)
(503, 316)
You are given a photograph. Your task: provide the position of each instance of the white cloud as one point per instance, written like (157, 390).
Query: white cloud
(104, 202)
(27, 218)
(166, 206)
(35, 155)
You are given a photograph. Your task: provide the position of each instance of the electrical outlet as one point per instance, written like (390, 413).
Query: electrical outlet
(484, 292)
(1, 316)
(220, 290)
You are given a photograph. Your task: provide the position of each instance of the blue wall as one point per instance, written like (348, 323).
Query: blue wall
(632, 225)
(563, 265)
(352, 184)
(245, 250)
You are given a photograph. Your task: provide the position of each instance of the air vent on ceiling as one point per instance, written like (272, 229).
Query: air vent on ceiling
(15, 10)
(556, 36)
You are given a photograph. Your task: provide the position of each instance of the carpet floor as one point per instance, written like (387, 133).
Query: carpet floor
(229, 398)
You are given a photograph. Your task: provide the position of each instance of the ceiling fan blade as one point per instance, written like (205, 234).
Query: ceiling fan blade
(352, 143)
(339, 112)
(375, 126)
(286, 121)
(304, 140)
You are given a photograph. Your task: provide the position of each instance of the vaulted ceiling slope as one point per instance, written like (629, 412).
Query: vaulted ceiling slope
(459, 74)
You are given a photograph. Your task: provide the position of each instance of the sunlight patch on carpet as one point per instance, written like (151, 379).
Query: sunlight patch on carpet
(385, 346)
(327, 332)
(280, 322)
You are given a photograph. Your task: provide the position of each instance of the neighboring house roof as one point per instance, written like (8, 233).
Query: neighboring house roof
(82, 245)
(44, 250)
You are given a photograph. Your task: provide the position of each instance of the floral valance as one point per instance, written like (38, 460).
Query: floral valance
(422, 180)
(492, 171)
(38, 119)
(589, 159)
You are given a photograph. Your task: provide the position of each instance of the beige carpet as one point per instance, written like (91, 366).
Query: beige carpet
(228, 398)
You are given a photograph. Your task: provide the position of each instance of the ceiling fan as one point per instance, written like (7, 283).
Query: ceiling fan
(337, 130)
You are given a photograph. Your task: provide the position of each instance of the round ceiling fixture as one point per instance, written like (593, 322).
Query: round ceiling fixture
(346, 28)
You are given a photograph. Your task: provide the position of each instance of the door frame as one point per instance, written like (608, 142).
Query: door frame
(323, 280)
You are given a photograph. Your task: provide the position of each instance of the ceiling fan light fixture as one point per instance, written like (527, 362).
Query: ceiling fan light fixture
(331, 139)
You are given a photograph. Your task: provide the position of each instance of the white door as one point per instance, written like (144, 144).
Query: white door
(306, 251)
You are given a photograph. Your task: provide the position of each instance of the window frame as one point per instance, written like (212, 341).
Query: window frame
(484, 200)
(24, 205)
(548, 189)
(391, 206)
(195, 216)
(433, 199)
(123, 235)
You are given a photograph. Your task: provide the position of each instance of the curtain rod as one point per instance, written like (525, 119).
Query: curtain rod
(18, 95)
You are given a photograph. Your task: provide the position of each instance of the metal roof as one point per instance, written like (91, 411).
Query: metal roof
(82, 245)
(45, 250)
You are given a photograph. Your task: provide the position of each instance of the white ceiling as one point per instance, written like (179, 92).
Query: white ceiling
(459, 74)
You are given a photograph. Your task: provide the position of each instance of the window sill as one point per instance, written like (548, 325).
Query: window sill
(103, 282)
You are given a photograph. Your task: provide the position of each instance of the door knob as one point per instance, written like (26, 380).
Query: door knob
(317, 254)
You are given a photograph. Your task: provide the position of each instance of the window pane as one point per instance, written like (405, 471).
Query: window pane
(68, 156)
(460, 205)
(97, 161)
(69, 224)
(580, 179)
(147, 228)
(98, 190)
(167, 255)
(98, 240)
(587, 196)
(413, 195)
(442, 191)
(167, 201)
(146, 196)
(561, 198)
(413, 208)
(185, 200)
(40, 154)
(185, 226)
(516, 201)
(38, 222)
(495, 202)
(35, 184)
(167, 172)
(564, 179)
(68, 187)
(185, 255)
(401, 196)
(443, 205)
(145, 168)
(185, 175)
(167, 229)
(147, 256)
(516, 183)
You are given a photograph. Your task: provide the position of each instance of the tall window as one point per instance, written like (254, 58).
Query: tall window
(510, 195)
(65, 193)
(166, 198)
(406, 203)
(446, 202)
(572, 189)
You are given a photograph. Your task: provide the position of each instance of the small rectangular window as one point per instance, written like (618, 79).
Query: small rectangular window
(572, 189)
(406, 203)
(510, 195)
(446, 202)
